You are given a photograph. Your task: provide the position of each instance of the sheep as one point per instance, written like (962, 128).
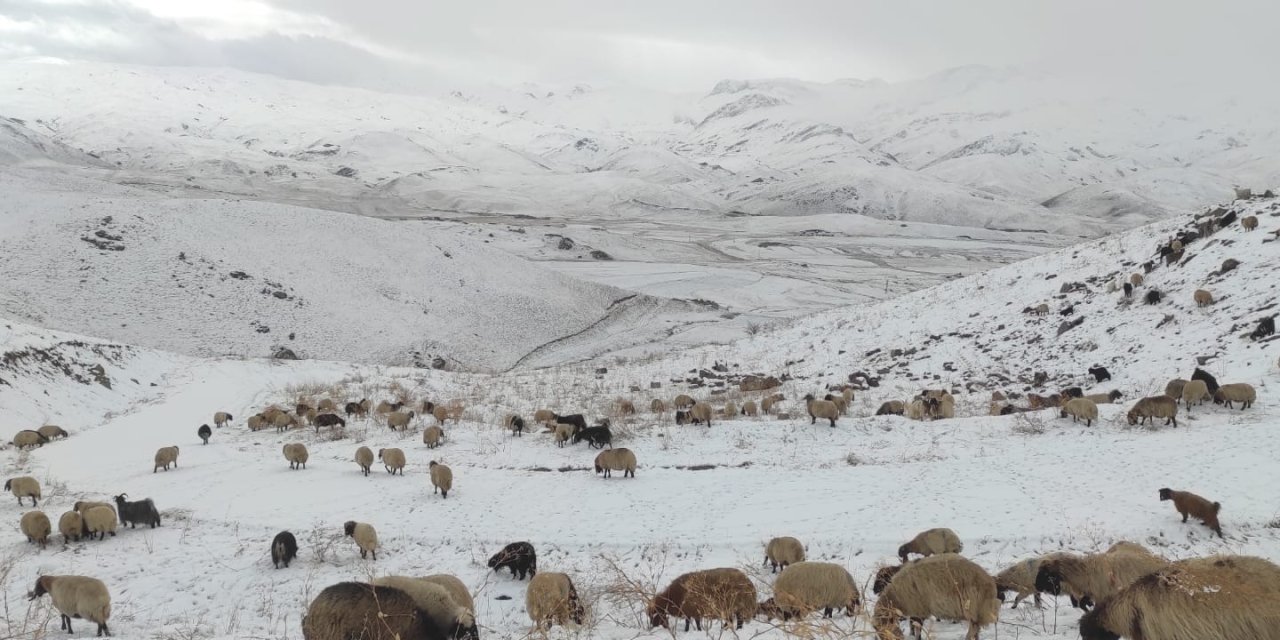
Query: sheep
(1249, 223)
(1100, 374)
(749, 409)
(1071, 392)
(1266, 327)
(76, 597)
(296, 454)
(513, 422)
(36, 527)
(1190, 504)
(940, 407)
(805, 587)
(730, 410)
(303, 409)
(576, 420)
(701, 412)
(1041, 309)
(657, 406)
(432, 435)
(52, 432)
(441, 478)
(821, 409)
(350, 610)
(1128, 290)
(917, 409)
(891, 408)
(284, 421)
(552, 599)
(284, 548)
(385, 408)
(140, 511)
(1092, 578)
(783, 551)
(563, 433)
(1154, 407)
(204, 432)
(1037, 401)
(1080, 408)
(1021, 579)
(766, 405)
(456, 589)
(616, 460)
(222, 419)
(682, 401)
(596, 437)
(718, 594)
(624, 407)
(166, 456)
(356, 409)
(1203, 298)
(1174, 389)
(100, 520)
(438, 603)
(930, 542)
(543, 416)
(399, 420)
(946, 586)
(1219, 597)
(519, 557)
(256, 422)
(24, 487)
(842, 405)
(326, 404)
(365, 535)
(1104, 398)
(392, 460)
(1236, 392)
(364, 458)
(440, 413)
(1153, 297)
(1136, 279)
(329, 420)
(27, 439)
(1210, 382)
(71, 526)
(1195, 392)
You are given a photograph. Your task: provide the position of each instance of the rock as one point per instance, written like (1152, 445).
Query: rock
(346, 172)
(600, 255)
(565, 244)
(1039, 379)
(655, 385)
(438, 362)
(100, 375)
(602, 370)
(280, 294)
(759, 383)
(239, 275)
(1069, 325)
(284, 353)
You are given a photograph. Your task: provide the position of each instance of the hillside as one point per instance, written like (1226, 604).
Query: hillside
(1011, 486)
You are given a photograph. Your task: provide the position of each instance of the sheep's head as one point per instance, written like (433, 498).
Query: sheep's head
(1048, 580)
(1114, 395)
(1166, 494)
(1132, 416)
(884, 575)
(42, 587)
(1091, 627)
(465, 627)
(769, 609)
(349, 527)
(657, 615)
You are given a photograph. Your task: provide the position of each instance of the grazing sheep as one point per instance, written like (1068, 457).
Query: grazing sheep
(783, 551)
(100, 520)
(563, 433)
(432, 435)
(1203, 298)
(222, 419)
(441, 478)
(519, 557)
(76, 597)
(1249, 223)
(946, 586)
(1219, 597)
(1128, 290)
(166, 456)
(682, 417)
(329, 420)
(296, 454)
(682, 401)
(1080, 409)
(616, 460)
(326, 404)
(1100, 374)
(657, 406)
(356, 409)
(1210, 382)
(256, 422)
(284, 548)
(931, 542)
(575, 420)
(700, 413)
(392, 460)
(1266, 327)
(399, 420)
(284, 421)
(1092, 578)
(821, 409)
(1190, 504)
(386, 408)
(36, 527)
(552, 599)
(513, 422)
(71, 526)
(1195, 392)
(766, 405)
(624, 407)
(365, 536)
(1071, 392)
(891, 408)
(716, 594)
(24, 487)
(596, 437)
(1153, 297)
(52, 432)
(749, 409)
(137, 512)
(543, 416)
(1174, 389)
(842, 405)
(1236, 392)
(1136, 279)
(1154, 407)
(805, 587)
(456, 589)
(457, 620)
(1104, 398)
(440, 413)
(1021, 579)
(27, 439)
(364, 458)
(355, 610)
(205, 433)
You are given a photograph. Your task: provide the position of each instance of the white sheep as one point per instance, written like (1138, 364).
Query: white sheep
(77, 597)
(392, 460)
(296, 454)
(365, 536)
(24, 487)
(825, 409)
(166, 456)
(36, 526)
(441, 478)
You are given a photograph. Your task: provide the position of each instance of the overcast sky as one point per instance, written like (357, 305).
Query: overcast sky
(685, 45)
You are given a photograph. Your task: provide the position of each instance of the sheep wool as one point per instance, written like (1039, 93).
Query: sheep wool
(36, 526)
(1081, 409)
(701, 412)
(543, 416)
(805, 587)
(1147, 409)
(457, 590)
(77, 597)
(296, 454)
(716, 594)
(52, 432)
(1249, 223)
(392, 460)
(1095, 577)
(931, 542)
(441, 479)
(784, 551)
(365, 536)
(1203, 298)
(166, 456)
(364, 458)
(100, 520)
(1195, 392)
(552, 599)
(563, 433)
(621, 459)
(1174, 388)
(399, 420)
(1236, 392)
(824, 409)
(27, 439)
(682, 401)
(658, 406)
(456, 620)
(24, 487)
(432, 435)
(749, 409)
(369, 612)
(70, 525)
(946, 586)
(440, 413)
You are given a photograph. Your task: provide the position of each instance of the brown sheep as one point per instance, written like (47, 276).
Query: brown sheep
(624, 407)
(1203, 298)
(357, 610)
(1249, 223)
(1190, 504)
(1236, 392)
(749, 409)
(946, 586)
(432, 435)
(1092, 578)
(544, 416)
(658, 406)
(35, 525)
(1080, 409)
(783, 551)
(701, 412)
(166, 456)
(441, 478)
(1154, 407)
(717, 594)
(931, 542)
(440, 413)
(1136, 279)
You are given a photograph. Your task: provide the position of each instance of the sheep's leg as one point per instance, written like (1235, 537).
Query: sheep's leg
(66, 623)
(103, 630)
(826, 613)
(973, 632)
(1184, 517)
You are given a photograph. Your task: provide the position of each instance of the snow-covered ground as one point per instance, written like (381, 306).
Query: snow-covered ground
(1011, 486)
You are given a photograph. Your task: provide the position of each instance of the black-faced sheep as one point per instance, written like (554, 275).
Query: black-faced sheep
(456, 620)
(552, 599)
(611, 460)
(35, 525)
(701, 413)
(596, 437)
(1104, 398)
(365, 535)
(24, 487)
(1080, 409)
(931, 542)
(1021, 579)
(1092, 578)
(783, 551)
(1195, 392)
(891, 408)
(28, 439)
(100, 521)
(392, 460)
(204, 432)
(1266, 327)
(1210, 382)
(166, 456)
(71, 526)
(1191, 505)
(825, 409)
(576, 420)
(284, 548)
(432, 435)
(364, 458)
(682, 401)
(1136, 279)
(329, 420)
(76, 597)
(1219, 597)
(441, 478)
(805, 587)
(222, 419)
(1153, 297)
(1146, 409)
(399, 420)
(137, 512)
(1236, 392)
(1100, 374)
(350, 610)
(52, 432)
(516, 424)
(946, 586)
(296, 454)
(1128, 290)
(714, 594)
(519, 557)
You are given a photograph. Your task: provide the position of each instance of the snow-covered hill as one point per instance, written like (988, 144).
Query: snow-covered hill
(1011, 486)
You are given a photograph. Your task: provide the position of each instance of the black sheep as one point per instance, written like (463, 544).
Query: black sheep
(596, 437)
(1072, 392)
(329, 420)
(1209, 380)
(1128, 290)
(1148, 266)
(683, 417)
(519, 557)
(1266, 327)
(1153, 296)
(352, 408)
(284, 548)
(1100, 374)
(1226, 220)
(204, 432)
(1070, 309)
(579, 423)
(517, 426)
(131, 513)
